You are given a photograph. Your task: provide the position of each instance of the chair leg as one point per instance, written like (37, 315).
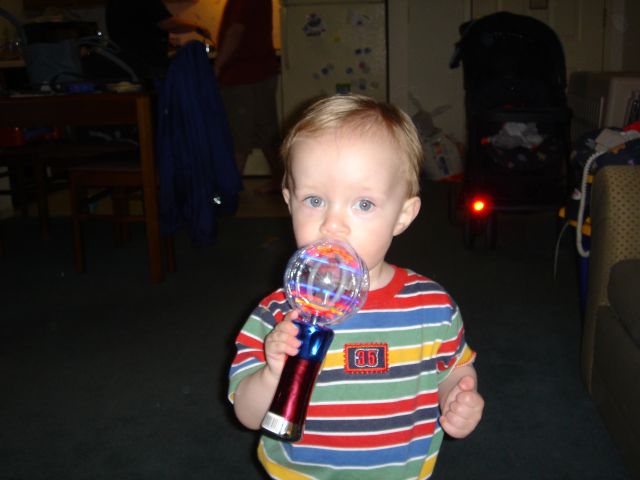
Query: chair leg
(78, 244)
(77, 181)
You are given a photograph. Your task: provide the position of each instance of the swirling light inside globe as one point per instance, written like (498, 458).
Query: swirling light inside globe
(326, 281)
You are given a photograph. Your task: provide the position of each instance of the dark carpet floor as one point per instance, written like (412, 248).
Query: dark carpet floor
(104, 376)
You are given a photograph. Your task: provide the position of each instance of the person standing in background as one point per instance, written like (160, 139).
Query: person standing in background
(247, 69)
(141, 29)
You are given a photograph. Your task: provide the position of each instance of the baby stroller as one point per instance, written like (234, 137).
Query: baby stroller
(518, 134)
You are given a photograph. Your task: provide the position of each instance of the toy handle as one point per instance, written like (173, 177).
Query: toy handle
(286, 416)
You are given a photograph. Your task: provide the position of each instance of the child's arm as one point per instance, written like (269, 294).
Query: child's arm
(253, 396)
(460, 403)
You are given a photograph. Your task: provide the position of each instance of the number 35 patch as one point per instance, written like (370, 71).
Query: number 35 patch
(366, 358)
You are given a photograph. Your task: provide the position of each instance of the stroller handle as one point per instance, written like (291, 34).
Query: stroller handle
(547, 115)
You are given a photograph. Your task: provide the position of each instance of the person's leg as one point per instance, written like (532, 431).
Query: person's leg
(239, 115)
(274, 185)
(268, 131)
(241, 161)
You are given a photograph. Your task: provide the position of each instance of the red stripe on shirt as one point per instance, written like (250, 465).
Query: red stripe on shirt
(418, 300)
(241, 357)
(451, 346)
(249, 341)
(373, 409)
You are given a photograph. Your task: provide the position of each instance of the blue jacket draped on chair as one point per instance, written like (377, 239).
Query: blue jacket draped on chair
(198, 176)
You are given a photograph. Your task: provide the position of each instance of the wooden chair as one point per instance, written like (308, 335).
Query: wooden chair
(117, 176)
(35, 159)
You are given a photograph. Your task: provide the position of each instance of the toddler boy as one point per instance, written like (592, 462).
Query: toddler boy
(399, 372)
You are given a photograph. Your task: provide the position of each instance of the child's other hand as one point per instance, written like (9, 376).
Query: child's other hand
(463, 408)
(281, 342)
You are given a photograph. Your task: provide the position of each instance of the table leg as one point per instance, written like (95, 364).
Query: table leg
(149, 187)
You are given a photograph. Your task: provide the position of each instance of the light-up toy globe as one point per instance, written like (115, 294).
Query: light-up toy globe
(326, 282)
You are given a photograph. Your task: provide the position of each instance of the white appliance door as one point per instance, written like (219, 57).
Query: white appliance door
(330, 48)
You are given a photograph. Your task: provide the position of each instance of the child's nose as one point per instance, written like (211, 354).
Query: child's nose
(334, 224)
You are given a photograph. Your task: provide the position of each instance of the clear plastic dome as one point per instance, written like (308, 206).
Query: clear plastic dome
(326, 281)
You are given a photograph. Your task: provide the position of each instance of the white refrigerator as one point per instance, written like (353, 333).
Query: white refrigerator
(331, 47)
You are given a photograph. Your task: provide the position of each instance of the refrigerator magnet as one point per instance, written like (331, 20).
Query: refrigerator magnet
(314, 26)
(343, 88)
(357, 19)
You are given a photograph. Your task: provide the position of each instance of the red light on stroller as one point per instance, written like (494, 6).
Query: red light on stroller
(480, 206)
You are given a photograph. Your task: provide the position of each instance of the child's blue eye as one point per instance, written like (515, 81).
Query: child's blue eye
(314, 202)
(365, 205)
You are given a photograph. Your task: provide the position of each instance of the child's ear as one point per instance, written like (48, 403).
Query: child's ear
(408, 213)
(286, 194)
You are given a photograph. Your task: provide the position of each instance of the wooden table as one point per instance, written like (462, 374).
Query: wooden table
(100, 109)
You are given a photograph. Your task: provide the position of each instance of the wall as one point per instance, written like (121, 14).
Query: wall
(432, 33)
(631, 36)
(622, 35)
(209, 12)
(614, 35)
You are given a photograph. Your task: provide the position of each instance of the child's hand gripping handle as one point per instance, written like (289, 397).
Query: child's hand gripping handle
(325, 282)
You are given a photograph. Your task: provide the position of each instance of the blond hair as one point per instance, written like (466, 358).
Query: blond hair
(358, 114)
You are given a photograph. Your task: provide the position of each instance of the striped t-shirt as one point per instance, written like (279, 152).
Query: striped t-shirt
(374, 409)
